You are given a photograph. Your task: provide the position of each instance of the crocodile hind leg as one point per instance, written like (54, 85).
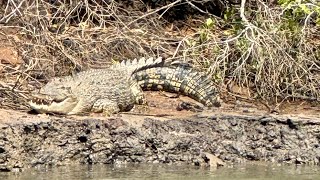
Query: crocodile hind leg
(139, 97)
(138, 93)
(106, 106)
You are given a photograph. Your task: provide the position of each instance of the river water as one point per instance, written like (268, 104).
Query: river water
(102, 172)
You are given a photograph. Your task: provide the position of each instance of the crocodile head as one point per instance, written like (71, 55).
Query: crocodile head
(54, 97)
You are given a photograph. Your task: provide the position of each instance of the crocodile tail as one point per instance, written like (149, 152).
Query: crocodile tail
(182, 80)
(136, 65)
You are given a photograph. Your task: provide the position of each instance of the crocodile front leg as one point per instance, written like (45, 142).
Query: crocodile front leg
(82, 107)
(106, 106)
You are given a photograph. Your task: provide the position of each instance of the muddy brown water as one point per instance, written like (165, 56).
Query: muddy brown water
(157, 171)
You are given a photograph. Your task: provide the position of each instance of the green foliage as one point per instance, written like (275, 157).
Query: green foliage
(231, 21)
(231, 18)
(299, 9)
(206, 30)
(210, 23)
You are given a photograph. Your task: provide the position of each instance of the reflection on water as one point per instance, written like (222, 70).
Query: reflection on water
(101, 172)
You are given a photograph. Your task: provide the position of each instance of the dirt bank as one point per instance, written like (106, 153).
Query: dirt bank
(201, 139)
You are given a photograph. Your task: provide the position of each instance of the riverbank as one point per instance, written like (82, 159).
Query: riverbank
(206, 139)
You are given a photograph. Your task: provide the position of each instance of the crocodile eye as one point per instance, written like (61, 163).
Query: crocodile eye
(56, 79)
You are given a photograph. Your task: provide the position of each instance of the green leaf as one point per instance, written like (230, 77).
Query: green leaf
(209, 23)
(305, 9)
(318, 21)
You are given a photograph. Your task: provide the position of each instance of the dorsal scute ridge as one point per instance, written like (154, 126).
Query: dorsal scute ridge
(148, 63)
(137, 62)
(135, 65)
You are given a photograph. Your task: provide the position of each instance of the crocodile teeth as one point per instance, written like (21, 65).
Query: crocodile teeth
(41, 101)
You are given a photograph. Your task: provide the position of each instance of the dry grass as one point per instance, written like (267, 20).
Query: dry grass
(59, 38)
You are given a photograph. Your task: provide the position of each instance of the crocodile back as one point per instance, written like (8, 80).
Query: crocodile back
(96, 84)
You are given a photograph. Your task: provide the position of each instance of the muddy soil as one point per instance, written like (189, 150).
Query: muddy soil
(208, 138)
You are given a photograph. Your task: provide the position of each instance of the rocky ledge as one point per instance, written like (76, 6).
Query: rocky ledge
(201, 139)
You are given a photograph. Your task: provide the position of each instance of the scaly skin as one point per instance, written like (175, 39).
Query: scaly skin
(99, 90)
(118, 88)
(88, 92)
(182, 80)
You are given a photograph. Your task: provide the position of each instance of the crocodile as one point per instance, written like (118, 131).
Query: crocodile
(179, 79)
(119, 87)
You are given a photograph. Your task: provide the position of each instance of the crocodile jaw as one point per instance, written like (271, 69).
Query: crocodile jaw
(45, 104)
